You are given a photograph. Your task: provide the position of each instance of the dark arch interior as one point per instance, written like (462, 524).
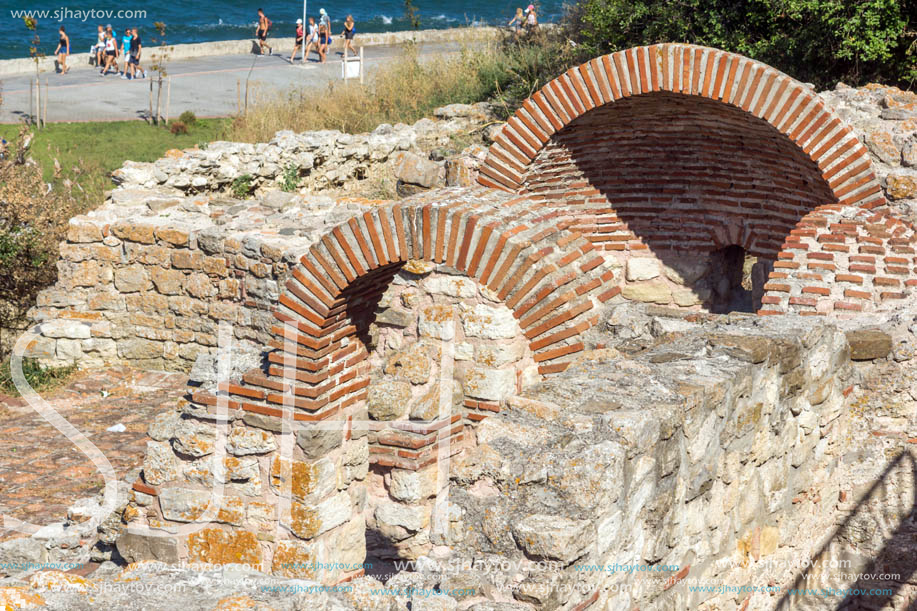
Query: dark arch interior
(686, 176)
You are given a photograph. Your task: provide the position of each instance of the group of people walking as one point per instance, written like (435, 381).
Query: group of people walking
(109, 50)
(524, 21)
(317, 37)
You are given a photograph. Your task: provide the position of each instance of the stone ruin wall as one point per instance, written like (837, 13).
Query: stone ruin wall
(695, 435)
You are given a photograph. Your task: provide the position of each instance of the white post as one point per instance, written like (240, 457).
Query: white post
(344, 64)
(361, 65)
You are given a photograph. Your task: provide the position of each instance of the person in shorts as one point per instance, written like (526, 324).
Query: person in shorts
(324, 40)
(264, 25)
(125, 49)
(111, 53)
(98, 49)
(298, 44)
(63, 50)
(311, 40)
(133, 62)
(348, 33)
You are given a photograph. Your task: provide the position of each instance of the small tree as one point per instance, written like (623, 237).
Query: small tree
(159, 65)
(35, 53)
(412, 14)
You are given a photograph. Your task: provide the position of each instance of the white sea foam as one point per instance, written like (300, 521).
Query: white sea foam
(386, 20)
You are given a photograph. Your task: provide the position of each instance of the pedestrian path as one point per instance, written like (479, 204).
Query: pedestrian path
(207, 86)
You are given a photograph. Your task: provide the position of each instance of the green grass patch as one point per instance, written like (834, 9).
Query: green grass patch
(87, 153)
(40, 378)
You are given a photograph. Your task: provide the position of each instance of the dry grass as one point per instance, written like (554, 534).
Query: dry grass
(403, 92)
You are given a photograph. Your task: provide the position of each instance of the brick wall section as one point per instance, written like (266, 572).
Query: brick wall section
(674, 147)
(840, 262)
(681, 174)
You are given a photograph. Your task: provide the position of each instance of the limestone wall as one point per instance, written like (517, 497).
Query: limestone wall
(692, 455)
(148, 283)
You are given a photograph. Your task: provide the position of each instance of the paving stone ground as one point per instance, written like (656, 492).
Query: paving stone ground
(42, 473)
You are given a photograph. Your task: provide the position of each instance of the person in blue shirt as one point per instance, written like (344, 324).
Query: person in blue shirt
(125, 49)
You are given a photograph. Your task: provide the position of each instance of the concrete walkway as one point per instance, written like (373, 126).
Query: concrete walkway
(207, 86)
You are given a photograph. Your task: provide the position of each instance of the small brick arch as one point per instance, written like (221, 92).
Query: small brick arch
(551, 278)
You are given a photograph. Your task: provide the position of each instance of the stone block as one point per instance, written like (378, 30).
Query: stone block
(217, 546)
(65, 328)
(868, 344)
(132, 278)
(83, 232)
(307, 522)
(412, 486)
(493, 354)
(194, 438)
(901, 186)
(642, 268)
(553, 537)
(135, 547)
(388, 399)
(489, 322)
(413, 169)
(160, 465)
(881, 143)
(413, 364)
(70, 350)
(453, 286)
(167, 281)
(394, 317)
(316, 442)
(183, 504)
(489, 384)
(297, 560)
(412, 518)
(437, 321)
(648, 292)
(308, 481)
(243, 441)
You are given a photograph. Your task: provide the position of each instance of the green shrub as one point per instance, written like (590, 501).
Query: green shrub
(188, 118)
(818, 41)
(242, 186)
(290, 178)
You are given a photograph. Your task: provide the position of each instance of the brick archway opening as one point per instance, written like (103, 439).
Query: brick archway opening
(301, 434)
(687, 182)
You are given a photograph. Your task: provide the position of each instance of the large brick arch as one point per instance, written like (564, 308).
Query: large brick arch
(758, 89)
(678, 149)
(551, 278)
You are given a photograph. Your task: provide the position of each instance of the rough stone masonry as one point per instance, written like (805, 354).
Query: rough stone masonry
(479, 329)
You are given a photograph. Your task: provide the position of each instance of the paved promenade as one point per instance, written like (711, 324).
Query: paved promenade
(207, 86)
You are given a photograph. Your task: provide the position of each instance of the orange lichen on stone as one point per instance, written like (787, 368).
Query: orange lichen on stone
(19, 598)
(241, 602)
(294, 559)
(304, 521)
(58, 581)
(304, 477)
(218, 546)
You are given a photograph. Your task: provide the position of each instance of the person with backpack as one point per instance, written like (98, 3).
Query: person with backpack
(264, 26)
